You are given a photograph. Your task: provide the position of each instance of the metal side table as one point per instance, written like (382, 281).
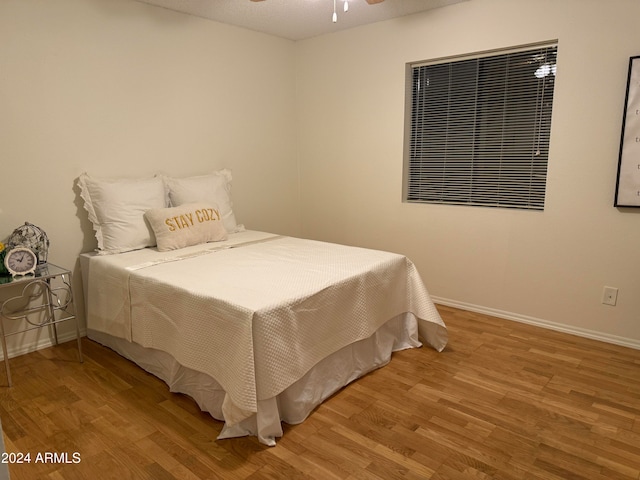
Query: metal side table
(42, 299)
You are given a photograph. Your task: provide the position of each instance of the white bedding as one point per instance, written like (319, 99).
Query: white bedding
(258, 311)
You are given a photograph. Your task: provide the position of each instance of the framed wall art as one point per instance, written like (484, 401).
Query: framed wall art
(628, 181)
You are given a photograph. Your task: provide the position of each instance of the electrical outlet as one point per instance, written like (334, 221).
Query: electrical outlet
(610, 296)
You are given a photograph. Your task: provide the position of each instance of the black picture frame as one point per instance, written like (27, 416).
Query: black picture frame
(628, 179)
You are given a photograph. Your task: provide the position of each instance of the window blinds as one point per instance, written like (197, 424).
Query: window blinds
(479, 129)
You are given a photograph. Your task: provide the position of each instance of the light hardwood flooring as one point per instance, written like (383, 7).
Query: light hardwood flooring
(503, 401)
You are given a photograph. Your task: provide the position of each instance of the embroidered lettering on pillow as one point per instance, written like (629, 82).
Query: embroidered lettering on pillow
(186, 225)
(190, 219)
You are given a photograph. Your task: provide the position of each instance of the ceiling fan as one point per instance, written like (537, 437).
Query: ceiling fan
(346, 6)
(370, 2)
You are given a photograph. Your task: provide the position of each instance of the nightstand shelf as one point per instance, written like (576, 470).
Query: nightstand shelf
(43, 299)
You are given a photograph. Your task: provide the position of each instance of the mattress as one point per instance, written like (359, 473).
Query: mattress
(258, 312)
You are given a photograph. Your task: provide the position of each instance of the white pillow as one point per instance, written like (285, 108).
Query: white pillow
(116, 208)
(188, 224)
(213, 189)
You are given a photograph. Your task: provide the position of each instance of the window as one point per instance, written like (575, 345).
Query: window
(478, 129)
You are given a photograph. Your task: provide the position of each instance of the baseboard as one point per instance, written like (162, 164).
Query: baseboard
(39, 344)
(581, 332)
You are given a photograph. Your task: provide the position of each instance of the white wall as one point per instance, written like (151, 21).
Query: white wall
(545, 267)
(121, 88)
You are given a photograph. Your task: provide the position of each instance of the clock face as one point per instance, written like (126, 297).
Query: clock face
(20, 261)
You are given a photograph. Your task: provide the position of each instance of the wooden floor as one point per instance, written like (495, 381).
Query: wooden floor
(503, 401)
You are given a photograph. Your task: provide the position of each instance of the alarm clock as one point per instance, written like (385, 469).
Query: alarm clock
(21, 261)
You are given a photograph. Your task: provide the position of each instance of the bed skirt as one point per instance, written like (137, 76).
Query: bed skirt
(296, 402)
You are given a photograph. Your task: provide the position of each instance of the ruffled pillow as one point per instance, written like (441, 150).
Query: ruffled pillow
(213, 189)
(116, 209)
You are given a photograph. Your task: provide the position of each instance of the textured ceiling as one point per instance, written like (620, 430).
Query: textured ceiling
(298, 19)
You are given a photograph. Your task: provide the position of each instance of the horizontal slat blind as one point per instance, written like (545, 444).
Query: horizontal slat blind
(479, 130)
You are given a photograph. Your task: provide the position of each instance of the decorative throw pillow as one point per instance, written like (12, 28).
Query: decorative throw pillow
(116, 209)
(188, 224)
(214, 189)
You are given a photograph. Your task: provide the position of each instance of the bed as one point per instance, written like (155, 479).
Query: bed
(257, 328)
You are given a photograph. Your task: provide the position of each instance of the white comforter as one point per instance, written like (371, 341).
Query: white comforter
(257, 311)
